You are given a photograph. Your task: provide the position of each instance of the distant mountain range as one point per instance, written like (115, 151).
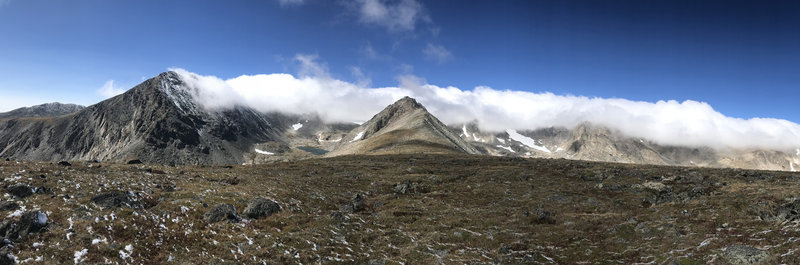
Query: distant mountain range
(159, 121)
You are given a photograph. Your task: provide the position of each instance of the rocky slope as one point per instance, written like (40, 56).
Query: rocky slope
(403, 127)
(43, 110)
(397, 209)
(157, 121)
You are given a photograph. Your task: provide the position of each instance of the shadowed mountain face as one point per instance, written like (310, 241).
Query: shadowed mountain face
(43, 110)
(156, 121)
(403, 127)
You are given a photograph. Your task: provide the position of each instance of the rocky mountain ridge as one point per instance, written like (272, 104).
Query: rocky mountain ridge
(42, 110)
(160, 121)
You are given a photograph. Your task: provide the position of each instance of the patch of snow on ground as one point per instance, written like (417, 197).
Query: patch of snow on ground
(514, 135)
(297, 126)
(464, 132)
(18, 212)
(79, 255)
(507, 148)
(797, 152)
(358, 136)
(263, 152)
(125, 255)
(501, 140)
(705, 243)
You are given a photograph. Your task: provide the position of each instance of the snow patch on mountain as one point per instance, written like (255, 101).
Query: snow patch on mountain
(514, 135)
(264, 152)
(507, 148)
(297, 126)
(358, 136)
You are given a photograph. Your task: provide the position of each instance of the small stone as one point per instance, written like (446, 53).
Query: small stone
(376, 262)
(134, 162)
(260, 207)
(222, 212)
(64, 163)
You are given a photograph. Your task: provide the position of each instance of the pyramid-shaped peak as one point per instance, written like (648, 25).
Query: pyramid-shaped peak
(407, 102)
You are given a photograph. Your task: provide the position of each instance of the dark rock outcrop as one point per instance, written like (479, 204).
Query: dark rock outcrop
(260, 207)
(20, 190)
(114, 199)
(222, 212)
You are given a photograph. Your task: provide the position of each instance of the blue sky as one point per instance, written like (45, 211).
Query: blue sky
(741, 57)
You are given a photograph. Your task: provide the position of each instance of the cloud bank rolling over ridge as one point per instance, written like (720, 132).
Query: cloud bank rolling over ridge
(687, 123)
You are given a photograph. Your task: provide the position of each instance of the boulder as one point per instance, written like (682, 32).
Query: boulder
(113, 199)
(744, 255)
(30, 222)
(64, 163)
(20, 190)
(221, 212)
(134, 162)
(260, 207)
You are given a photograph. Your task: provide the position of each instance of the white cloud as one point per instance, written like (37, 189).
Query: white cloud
(437, 53)
(109, 90)
(401, 15)
(689, 122)
(291, 2)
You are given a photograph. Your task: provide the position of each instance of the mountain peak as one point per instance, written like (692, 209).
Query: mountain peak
(403, 127)
(404, 105)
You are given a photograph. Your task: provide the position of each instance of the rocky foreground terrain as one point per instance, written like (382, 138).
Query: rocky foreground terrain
(397, 209)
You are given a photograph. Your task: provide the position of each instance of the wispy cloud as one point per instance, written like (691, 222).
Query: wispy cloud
(286, 3)
(437, 53)
(108, 90)
(668, 122)
(310, 67)
(402, 15)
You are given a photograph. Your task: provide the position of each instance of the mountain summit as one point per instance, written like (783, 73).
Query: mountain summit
(403, 127)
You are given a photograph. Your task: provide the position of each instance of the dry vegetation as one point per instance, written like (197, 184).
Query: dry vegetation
(416, 209)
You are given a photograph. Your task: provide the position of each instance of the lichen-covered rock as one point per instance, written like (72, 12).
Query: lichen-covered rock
(356, 204)
(261, 207)
(745, 255)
